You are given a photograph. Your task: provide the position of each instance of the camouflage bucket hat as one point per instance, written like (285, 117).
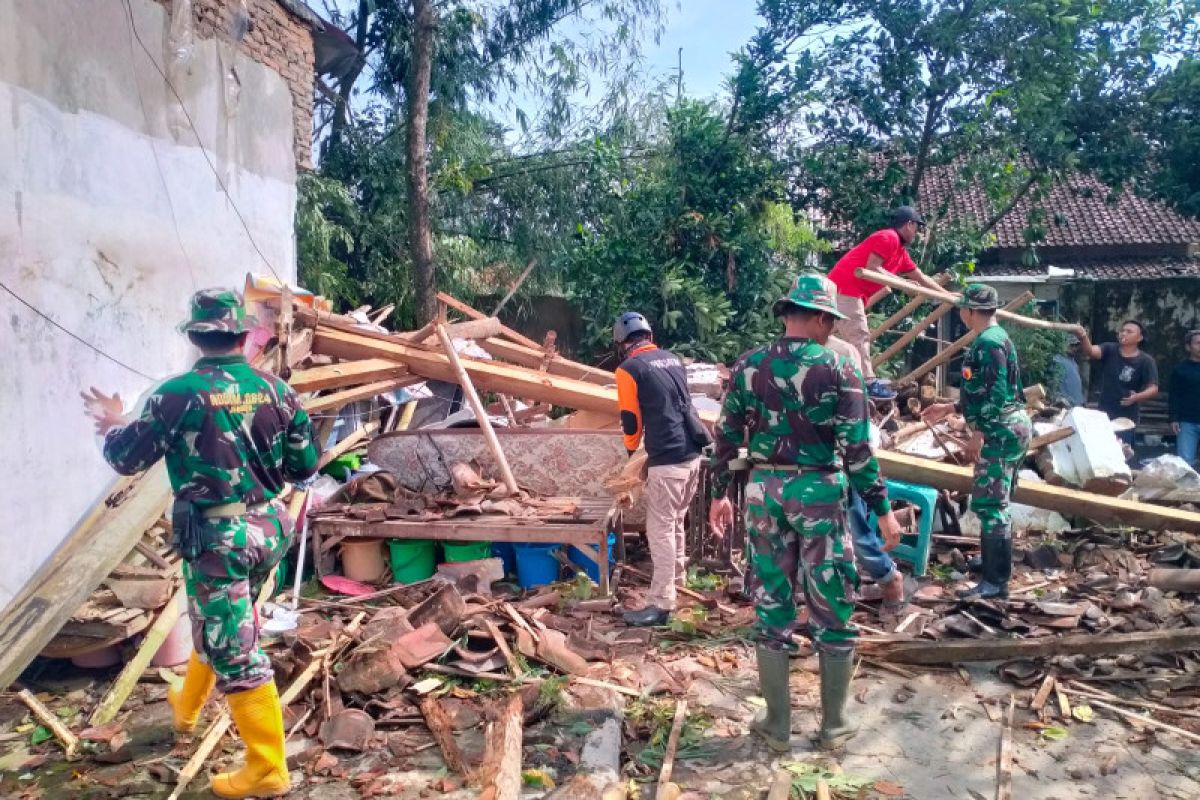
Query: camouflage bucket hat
(980, 296)
(217, 310)
(809, 290)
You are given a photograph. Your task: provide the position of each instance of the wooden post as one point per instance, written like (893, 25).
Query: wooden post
(485, 424)
(959, 343)
(909, 307)
(917, 329)
(110, 706)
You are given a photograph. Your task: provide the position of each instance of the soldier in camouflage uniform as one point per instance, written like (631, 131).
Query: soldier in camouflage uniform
(994, 407)
(233, 437)
(805, 412)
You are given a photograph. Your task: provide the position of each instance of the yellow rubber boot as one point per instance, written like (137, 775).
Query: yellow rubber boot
(259, 719)
(198, 683)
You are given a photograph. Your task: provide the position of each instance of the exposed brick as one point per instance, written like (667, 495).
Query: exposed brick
(276, 40)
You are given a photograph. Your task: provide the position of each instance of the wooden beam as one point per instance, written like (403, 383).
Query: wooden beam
(1038, 442)
(474, 313)
(909, 307)
(911, 288)
(69, 741)
(481, 415)
(917, 329)
(351, 373)
(116, 696)
(1088, 644)
(98, 544)
(1004, 755)
(1068, 502)
(488, 376)
(876, 298)
(512, 290)
(364, 392)
(556, 365)
(484, 328)
(958, 344)
(500, 772)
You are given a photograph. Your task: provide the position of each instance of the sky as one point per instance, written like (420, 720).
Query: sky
(708, 31)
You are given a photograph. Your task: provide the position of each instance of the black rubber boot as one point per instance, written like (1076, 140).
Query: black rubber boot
(775, 725)
(997, 569)
(646, 617)
(836, 671)
(975, 564)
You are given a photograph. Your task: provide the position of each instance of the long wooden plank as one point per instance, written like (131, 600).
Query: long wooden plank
(911, 288)
(488, 376)
(908, 308)
(86, 557)
(351, 373)
(1088, 644)
(525, 357)
(364, 392)
(474, 313)
(913, 469)
(917, 329)
(959, 343)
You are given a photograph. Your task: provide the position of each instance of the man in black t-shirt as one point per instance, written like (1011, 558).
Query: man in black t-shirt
(1128, 377)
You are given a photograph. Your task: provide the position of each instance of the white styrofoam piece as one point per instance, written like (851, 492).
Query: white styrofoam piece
(1092, 453)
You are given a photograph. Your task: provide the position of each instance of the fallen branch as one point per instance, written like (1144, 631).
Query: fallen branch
(45, 716)
(666, 789)
(1149, 722)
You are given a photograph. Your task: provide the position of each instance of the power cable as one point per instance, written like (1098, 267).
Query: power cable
(195, 131)
(73, 335)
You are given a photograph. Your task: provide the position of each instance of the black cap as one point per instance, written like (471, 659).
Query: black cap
(905, 214)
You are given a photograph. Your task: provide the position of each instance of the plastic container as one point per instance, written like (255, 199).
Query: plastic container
(98, 659)
(466, 551)
(412, 559)
(362, 560)
(536, 564)
(587, 558)
(177, 647)
(504, 551)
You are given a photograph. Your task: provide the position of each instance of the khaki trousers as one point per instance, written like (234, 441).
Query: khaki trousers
(855, 330)
(669, 491)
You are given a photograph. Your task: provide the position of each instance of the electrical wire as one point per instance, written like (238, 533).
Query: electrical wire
(72, 334)
(195, 131)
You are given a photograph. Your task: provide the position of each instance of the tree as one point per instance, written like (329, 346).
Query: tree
(420, 239)
(867, 97)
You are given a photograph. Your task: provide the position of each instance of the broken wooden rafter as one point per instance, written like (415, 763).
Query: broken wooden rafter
(536, 359)
(335, 401)
(908, 308)
(1088, 644)
(1068, 502)
(917, 329)
(351, 373)
(958, 344)
(349, 443)
(98, 543)
(489, 376)
(500, 772)
(474, 313)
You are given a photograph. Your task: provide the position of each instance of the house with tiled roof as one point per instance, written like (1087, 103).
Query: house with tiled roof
(1104, 257)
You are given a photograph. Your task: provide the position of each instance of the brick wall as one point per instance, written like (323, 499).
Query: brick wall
(276, 39)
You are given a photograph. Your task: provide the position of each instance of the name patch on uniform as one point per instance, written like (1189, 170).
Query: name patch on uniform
(238, 403)
(967, 373)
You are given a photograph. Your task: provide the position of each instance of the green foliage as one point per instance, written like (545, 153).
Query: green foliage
(1036, 350)
(326, 217)
(653, 720)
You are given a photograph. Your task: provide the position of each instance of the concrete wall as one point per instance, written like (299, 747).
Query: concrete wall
(110, 216)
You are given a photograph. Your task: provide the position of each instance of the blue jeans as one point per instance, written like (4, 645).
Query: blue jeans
(1187, 440)
(868, 545)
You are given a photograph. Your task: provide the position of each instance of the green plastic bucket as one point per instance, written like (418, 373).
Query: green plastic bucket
(412, 560)
(466, 551)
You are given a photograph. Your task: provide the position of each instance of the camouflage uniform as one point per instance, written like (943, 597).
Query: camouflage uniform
(993, 405)
(231, 434)
(805, 411)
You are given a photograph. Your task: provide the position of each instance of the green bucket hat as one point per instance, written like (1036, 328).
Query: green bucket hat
(809, 290)
(980, 296)
(217, 310)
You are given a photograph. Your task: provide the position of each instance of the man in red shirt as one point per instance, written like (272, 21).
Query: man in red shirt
(885, 250)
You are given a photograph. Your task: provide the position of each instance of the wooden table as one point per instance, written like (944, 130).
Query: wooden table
(591, 525)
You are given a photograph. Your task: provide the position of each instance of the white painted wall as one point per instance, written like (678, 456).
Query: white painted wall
(107, 224)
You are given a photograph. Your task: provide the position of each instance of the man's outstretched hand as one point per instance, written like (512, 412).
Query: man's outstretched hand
(720, 516)
(107, 411)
